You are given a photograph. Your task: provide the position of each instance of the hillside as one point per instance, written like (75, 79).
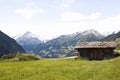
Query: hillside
(28, 41)
(61, 69)
(9, 45)
(64, 45)
(111, 37)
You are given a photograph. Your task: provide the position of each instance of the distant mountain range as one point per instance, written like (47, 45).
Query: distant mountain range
(64, 45)
(28, 41)
(9, 45)
(111, 37)
(61, 46)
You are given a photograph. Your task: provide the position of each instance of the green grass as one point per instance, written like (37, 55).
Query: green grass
(20, 57)
(60, 69)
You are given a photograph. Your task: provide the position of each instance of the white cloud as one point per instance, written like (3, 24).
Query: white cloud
(94, 16)
(75, 16)
(66, 4)
(30, 10)
(107, 25)
(28, 13)
(30, 4)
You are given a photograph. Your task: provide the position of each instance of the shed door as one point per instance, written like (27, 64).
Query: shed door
(96, 54)
(93, 55)
(100, 54)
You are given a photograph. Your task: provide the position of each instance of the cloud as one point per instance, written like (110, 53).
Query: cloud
(106, 25)
(29, 10)
(94, 16)
(75, 16)
(66, 4)
(52, 30)
(28, 13)
(30, 4)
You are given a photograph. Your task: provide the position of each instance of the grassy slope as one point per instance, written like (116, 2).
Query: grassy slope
(61, 69)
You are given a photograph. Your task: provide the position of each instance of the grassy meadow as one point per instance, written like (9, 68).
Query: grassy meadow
(60, 69)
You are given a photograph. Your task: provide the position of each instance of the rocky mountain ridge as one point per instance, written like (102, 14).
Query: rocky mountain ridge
(9, 45)
(63, 45)
(28, 41)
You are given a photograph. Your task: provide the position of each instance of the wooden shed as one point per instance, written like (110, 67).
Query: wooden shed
(95, 50)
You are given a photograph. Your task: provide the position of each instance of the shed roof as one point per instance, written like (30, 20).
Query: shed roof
(99, 44)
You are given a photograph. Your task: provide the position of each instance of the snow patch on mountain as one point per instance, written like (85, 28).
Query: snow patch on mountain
(91, 32)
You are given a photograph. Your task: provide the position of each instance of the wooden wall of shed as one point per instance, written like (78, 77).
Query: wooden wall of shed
(78, 53)
(84, 53)
(108, 53)
(95, 53)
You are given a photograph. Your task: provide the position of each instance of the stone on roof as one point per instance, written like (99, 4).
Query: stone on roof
(100, 44)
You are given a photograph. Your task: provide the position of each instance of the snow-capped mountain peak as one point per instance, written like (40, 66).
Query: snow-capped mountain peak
(91, 32)
(28, 40)
(26, 35)
(29, 34)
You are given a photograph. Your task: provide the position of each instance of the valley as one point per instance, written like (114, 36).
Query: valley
(62, 46)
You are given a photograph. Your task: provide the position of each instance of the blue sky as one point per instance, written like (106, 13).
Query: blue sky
(51, 18)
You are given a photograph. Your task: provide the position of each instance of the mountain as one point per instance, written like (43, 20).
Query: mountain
(28, 41)
(9, 45)
(64, 45)
(111, 37)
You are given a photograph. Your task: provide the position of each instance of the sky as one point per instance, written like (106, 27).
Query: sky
(51, 18)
